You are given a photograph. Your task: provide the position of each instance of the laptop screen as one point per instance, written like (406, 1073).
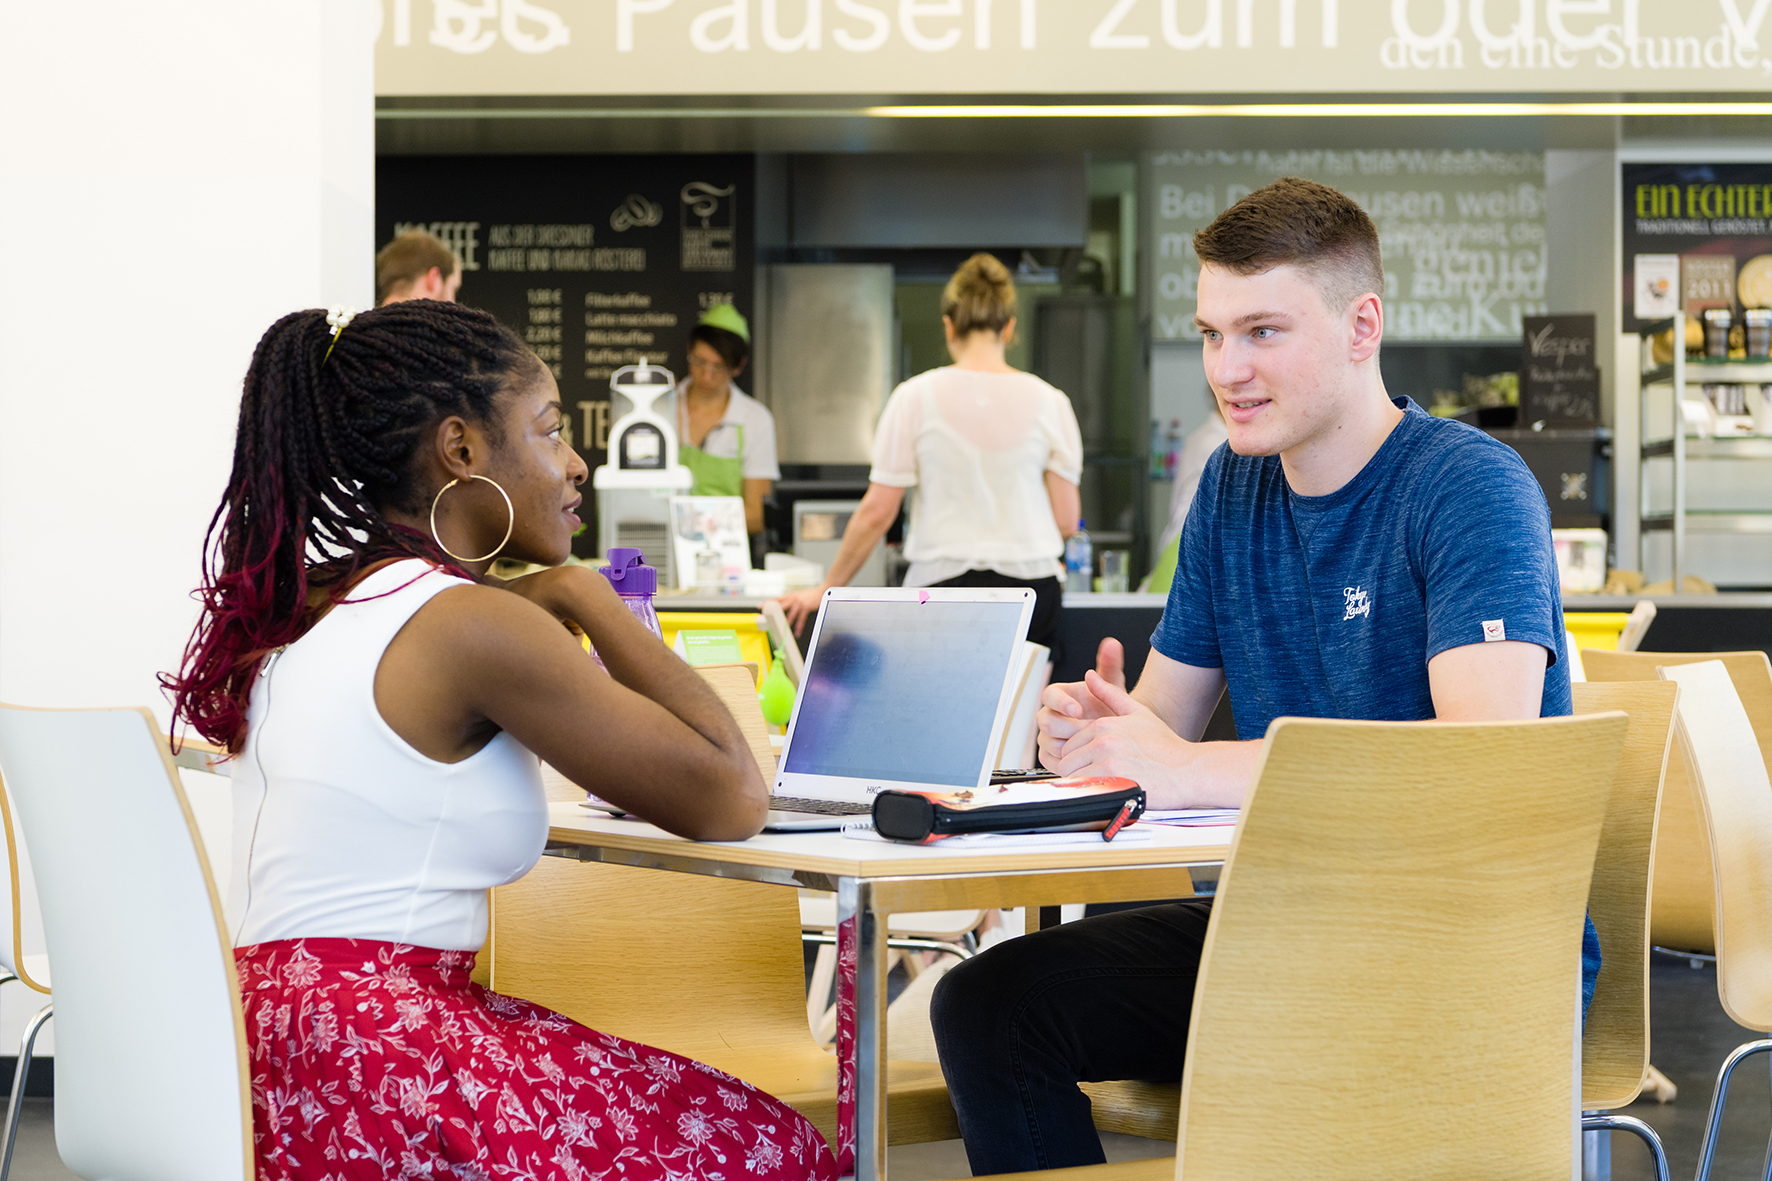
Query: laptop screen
(904, 691)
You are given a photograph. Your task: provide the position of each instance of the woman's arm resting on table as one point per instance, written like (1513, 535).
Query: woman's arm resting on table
(1067, 504)
(650, 737)
(872, 517)
(755, 492)
(1096, 728)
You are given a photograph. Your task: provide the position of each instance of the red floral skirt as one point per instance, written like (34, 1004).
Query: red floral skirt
(375, 1060)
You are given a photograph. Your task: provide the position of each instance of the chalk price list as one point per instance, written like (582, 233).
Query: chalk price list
(545, 330)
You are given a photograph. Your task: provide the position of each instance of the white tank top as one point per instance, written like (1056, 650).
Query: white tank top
(342, 829)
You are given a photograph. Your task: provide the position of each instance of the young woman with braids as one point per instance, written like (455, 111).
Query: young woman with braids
(385, 702)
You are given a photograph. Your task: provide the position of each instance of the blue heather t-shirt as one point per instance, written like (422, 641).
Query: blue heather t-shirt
(1331, 606)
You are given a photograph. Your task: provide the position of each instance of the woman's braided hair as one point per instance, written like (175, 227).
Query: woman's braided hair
(323, 445)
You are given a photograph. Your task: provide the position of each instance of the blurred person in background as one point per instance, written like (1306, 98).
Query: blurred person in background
(994, 456)
(416, 265)
(725, 437)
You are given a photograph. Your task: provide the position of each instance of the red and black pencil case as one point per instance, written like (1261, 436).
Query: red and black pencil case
(1102, 804)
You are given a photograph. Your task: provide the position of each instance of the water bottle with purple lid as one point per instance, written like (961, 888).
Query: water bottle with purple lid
(636, 583)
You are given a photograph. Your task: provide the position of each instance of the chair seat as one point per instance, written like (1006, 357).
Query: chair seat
(818, 912)
(917, 1095)
(1151, 1110)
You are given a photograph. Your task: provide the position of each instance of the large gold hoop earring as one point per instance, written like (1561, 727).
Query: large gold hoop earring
(508, 528)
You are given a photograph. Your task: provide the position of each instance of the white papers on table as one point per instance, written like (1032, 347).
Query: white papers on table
(1192, 817)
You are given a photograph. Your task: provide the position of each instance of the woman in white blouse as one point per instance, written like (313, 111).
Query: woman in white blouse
(993, 456)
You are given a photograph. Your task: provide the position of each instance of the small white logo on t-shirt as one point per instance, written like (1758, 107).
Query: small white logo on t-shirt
(1494, 629)
(1358, 602)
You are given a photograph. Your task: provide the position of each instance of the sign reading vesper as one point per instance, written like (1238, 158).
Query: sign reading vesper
(1145, 47)
(1559, 382)
(596, 261)
(1462, 232)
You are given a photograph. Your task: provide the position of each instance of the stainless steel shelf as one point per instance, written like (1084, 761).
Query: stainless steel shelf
(1679, 520)
(1698, 521)
(1571, 434)
(1707, 372)
(1720, 447)
(1579, 601)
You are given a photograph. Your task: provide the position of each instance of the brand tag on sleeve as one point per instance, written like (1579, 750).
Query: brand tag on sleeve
(1493, 630)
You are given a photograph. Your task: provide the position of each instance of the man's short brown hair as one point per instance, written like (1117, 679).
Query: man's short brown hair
(1308, 225)
(409, 258)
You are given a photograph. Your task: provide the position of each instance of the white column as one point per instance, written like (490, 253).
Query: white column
(173, 177)
(1581, 223)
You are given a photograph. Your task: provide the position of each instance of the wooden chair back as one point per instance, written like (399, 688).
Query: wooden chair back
(1737, 800)
(706, 967)
(1615, 1040)
(736, 686)
(151, 1077)
(1389, 985)
(12, 948)
(1682, 911)
(672, 960)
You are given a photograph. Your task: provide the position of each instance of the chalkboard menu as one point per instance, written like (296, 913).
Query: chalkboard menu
(1559, 384)
(596, 261)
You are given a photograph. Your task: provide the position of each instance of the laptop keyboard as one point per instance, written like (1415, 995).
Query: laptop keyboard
(819, 807)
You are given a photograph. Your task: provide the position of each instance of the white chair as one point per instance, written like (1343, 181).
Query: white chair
(1018, 742)
(206, 776)
(1636, 626)
(1576, 675)
(949, 931)
(30, 970)
(1730, 774)
(151, 1067)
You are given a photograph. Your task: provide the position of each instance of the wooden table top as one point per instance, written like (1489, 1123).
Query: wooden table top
(835, 855)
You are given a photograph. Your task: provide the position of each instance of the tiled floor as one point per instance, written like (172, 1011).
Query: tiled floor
(35, 1158)
(947, 1158)
(1692, 1036)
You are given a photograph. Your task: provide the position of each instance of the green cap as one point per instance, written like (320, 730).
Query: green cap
(724, 315)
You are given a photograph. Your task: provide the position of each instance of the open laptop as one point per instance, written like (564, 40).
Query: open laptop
(903, 688)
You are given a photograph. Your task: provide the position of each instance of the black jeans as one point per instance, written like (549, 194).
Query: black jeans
(1048, 598)
(1018, 1027)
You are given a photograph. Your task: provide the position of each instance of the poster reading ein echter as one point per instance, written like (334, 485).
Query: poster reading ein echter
(596, 261)
(1696, 236)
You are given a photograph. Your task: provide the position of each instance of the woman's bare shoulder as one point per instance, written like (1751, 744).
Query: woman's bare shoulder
(488, 622)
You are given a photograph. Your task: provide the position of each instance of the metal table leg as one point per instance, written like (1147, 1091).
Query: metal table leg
(855, 899)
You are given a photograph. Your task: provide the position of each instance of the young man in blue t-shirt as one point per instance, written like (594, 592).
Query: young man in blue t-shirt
(1346, 556)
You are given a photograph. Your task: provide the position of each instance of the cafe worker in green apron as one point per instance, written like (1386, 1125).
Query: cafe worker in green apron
(725, 437)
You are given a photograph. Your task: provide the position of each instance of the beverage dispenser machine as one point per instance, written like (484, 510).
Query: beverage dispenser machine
(634, 488)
